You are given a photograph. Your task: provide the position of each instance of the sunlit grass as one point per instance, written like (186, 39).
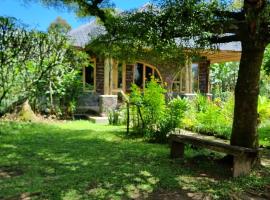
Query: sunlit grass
(81, 160)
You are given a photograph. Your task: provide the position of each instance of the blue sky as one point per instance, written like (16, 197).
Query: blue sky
(39, 17)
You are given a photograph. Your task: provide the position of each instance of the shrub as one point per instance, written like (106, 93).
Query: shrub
(151, 116)
(209, 117)
(114, 117)
(263, 108)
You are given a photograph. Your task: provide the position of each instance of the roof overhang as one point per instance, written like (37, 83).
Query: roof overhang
(221, 56)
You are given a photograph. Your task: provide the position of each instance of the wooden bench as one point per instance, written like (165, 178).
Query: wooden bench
(243, 158)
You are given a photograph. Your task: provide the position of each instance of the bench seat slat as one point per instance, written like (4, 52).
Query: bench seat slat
(213, 145)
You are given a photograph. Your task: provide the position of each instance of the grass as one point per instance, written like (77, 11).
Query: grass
(81, 160)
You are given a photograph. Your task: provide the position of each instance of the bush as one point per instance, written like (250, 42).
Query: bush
(114, 117)
(151, 116)
(210, 117)
(263, 108)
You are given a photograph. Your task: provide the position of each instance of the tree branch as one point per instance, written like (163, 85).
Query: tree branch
(224, 39)
(240, 16)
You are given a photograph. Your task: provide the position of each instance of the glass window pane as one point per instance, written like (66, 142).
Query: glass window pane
(120, 70)
(183, 78)
(176, 87)
(157, 77)
(148, 73)
(89, 77)
(138, 75)
(195, 77)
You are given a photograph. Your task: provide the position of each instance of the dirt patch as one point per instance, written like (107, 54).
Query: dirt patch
(25, 196)
(208, 166)
(7, 172)
(177, 195)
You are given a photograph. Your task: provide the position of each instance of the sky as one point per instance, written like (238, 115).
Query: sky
(39, 17)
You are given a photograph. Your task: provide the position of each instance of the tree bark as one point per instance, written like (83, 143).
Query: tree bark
(244, 130)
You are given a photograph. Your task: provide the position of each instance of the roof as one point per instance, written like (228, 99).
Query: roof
(84, 34)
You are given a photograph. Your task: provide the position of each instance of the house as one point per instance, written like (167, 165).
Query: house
(107, 77)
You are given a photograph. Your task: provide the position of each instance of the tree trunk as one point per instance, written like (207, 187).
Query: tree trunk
(244, 131)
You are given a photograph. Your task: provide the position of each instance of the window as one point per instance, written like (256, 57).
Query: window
(195, 77)
(138, 75)
(89, 76)
(187, 79)
(179, 83)
(148, 73)
(118, 77)
(143, 73)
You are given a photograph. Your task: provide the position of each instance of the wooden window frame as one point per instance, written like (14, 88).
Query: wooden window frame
(180, 82)
(198, 78)
(115, 77)
(154, 69)
(186, 69)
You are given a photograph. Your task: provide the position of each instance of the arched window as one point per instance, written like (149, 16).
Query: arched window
(187, 80)
(179, 83)
(143, 73)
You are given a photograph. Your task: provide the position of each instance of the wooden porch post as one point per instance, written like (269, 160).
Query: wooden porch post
(108, 65)
(188, 75)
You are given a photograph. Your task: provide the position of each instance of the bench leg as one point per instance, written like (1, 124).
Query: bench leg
(241, 165)
(177, 149)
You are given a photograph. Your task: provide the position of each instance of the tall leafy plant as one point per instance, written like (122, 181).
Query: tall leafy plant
(152, 116)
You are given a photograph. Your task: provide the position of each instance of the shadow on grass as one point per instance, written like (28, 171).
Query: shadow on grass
(95, 162)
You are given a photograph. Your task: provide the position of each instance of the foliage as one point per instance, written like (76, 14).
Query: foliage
(60, 26)
(114, 117)
(15, 51)
(151, 116)
(176, 109)
(78, 159)
(266, 60)
(36, 65)
(215, 117)
(223, 78)
(210, 117)
(263, 108)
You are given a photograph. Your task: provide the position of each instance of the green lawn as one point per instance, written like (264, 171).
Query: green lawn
(264, 134)
(81, 160)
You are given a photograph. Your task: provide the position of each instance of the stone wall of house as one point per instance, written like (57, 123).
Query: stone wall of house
(129, 76)
(100, 76)
(204, 70)
(107, 103)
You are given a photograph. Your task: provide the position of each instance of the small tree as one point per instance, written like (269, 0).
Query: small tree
(59, 25)
(31, 59)
(15, 51)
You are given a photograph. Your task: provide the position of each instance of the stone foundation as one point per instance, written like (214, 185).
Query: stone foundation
(107, 103)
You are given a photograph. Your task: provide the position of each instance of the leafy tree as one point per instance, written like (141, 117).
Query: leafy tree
(173, 22)
(31, 59)
(59, 25)
(15, 48)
